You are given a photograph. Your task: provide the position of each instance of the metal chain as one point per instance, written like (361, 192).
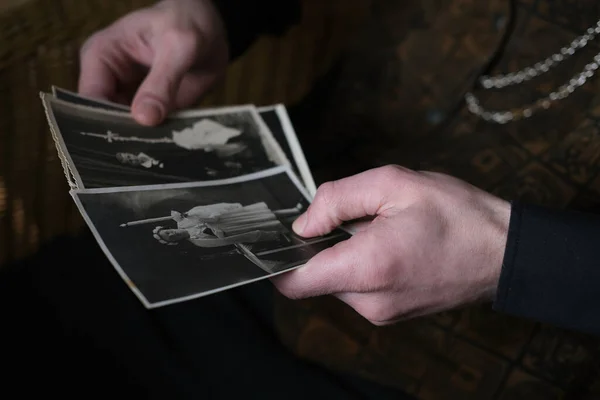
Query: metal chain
(526, 74)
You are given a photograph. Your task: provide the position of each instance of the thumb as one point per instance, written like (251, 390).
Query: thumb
(344, 200)
(175, 54)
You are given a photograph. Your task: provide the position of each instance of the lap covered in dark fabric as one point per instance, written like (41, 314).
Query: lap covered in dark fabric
(71, 326)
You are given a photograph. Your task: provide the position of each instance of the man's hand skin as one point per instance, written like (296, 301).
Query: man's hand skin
(157, 59)
(435, 243)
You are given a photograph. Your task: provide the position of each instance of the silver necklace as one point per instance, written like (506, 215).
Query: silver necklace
(528, 73)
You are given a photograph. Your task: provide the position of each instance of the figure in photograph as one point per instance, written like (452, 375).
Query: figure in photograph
(138, 160)
(110, 149)
(223, 224)
(205, 135)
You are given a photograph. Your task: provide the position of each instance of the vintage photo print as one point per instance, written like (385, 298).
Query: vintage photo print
(177, 242)
(71, 97)
(275, 116)
(278, 120)
(110, 149)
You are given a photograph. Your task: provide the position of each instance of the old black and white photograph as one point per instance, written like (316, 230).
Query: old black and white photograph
(176, 242)
(75, 98)
(110, 149)
(275, 117)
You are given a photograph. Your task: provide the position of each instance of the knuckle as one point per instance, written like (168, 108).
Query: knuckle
(184, 38)
(391, 176)
(410, 181)
(434, 179)
(391, 172)
(326, 194)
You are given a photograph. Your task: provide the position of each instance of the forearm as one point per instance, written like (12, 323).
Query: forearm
(551, 269)
(245, 20)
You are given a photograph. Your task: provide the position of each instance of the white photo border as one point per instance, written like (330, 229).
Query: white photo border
(245, 178)
(271, 146)
(279, 108)
(294, 143)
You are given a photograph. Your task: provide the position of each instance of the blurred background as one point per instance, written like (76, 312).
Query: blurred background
(40, 48)
(367, 83)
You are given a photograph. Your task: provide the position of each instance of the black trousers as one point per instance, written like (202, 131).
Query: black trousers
(71, 327)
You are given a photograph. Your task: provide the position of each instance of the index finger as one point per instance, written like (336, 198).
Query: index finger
(96, 77)
(333, 270)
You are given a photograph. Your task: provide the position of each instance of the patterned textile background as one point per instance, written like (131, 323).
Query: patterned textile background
(398, 98)
(394, 96)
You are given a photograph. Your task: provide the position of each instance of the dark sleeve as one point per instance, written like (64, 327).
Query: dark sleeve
(551, 269)
(246, 20)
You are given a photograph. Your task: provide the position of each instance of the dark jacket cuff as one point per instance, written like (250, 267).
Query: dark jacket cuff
(551, 268)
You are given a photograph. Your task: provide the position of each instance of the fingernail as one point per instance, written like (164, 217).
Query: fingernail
(149, 112)
(299, 225)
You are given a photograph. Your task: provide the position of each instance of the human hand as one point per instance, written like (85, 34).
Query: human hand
(435, 243)
(157, 59)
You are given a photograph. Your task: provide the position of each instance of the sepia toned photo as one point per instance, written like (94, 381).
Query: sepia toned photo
(176, 242)
(110, 149)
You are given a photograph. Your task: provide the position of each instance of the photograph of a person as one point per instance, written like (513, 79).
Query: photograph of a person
(275, 117)
(175, 242)
(110, 149)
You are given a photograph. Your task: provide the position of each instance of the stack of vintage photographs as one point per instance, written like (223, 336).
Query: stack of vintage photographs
(202, 203)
